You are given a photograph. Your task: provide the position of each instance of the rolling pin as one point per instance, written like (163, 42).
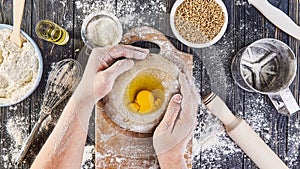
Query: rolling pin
(243, 135)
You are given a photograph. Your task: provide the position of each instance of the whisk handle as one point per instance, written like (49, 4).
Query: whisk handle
(30, 138)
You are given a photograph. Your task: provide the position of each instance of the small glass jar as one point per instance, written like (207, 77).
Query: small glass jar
(51, 32)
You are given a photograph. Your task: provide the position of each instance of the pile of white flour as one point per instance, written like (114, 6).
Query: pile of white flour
(18, 68)
(103, 32)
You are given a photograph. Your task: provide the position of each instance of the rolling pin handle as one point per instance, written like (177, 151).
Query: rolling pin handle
(243, 135)
(255, 147)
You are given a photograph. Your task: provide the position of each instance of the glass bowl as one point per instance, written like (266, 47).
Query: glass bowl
(94, 17)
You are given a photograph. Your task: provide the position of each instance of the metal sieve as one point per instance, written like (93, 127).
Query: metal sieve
(267, 66)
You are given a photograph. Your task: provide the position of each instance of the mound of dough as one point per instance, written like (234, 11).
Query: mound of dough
(116, 106)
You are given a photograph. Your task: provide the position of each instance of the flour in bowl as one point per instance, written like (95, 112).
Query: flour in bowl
(103, 32)
(18, 69)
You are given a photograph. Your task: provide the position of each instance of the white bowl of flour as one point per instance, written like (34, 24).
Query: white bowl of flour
(21, 69)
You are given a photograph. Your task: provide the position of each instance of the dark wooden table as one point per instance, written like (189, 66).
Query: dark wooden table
(246, 25)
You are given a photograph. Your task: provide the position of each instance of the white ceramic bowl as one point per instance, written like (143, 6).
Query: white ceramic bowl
(94, 16)
(198, 45)
(40, 70)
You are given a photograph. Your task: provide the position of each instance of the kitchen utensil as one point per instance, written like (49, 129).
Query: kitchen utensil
(18, 8)
(277, 17)
(119, 147)
(40, 64)
(268, 66)
(62, 81)
(97, 17)
(196, 45)
(243, 135)
(1, 57)
(238, 129)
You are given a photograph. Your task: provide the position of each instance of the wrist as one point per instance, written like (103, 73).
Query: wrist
(171, 160)
(81, 109)
(82, 101)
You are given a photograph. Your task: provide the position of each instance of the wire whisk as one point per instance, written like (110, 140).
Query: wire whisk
(62, 81)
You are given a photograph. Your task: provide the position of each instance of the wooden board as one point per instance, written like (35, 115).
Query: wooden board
(246, 25)
(116, 147)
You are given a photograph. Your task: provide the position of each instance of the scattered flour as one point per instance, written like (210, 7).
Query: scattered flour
(16, 128)
(130, 13)
(240, 2)
(211, 143)
(88, 157)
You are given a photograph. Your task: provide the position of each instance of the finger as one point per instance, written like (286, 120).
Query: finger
(184, 85)
(127, 51)
(118, 68)
(103, 65)
(193, 88)
(135, 48)
(189, 99)
(187, 82)
(172, 112)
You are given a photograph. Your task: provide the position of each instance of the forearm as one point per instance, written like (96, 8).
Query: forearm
(65, 145)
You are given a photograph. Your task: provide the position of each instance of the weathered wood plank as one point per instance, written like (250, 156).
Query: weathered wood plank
(246, 25)
(293, 133)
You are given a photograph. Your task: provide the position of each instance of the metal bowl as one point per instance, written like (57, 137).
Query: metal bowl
(198, 45)
(40, 70)
(93, 17)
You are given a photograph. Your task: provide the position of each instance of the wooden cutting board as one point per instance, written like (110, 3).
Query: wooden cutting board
(116, 147)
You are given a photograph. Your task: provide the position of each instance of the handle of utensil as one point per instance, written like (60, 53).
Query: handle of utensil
(18, 14)
(284, 102)
(243, 135)
(277, 17)
(30, 138)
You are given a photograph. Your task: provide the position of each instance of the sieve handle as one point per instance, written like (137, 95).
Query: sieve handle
(243, 135)
(284, 102)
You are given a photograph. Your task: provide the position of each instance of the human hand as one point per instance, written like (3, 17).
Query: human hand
(175, 130)
(103, 67)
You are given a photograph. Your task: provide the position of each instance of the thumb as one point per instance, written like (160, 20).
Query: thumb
(172, 112)
(118, 68)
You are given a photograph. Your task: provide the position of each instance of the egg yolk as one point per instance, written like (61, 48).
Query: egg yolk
(144, 102)
(145, 93)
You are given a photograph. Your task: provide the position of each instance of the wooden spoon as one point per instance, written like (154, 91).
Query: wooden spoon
(1, 57)
(18, 6)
